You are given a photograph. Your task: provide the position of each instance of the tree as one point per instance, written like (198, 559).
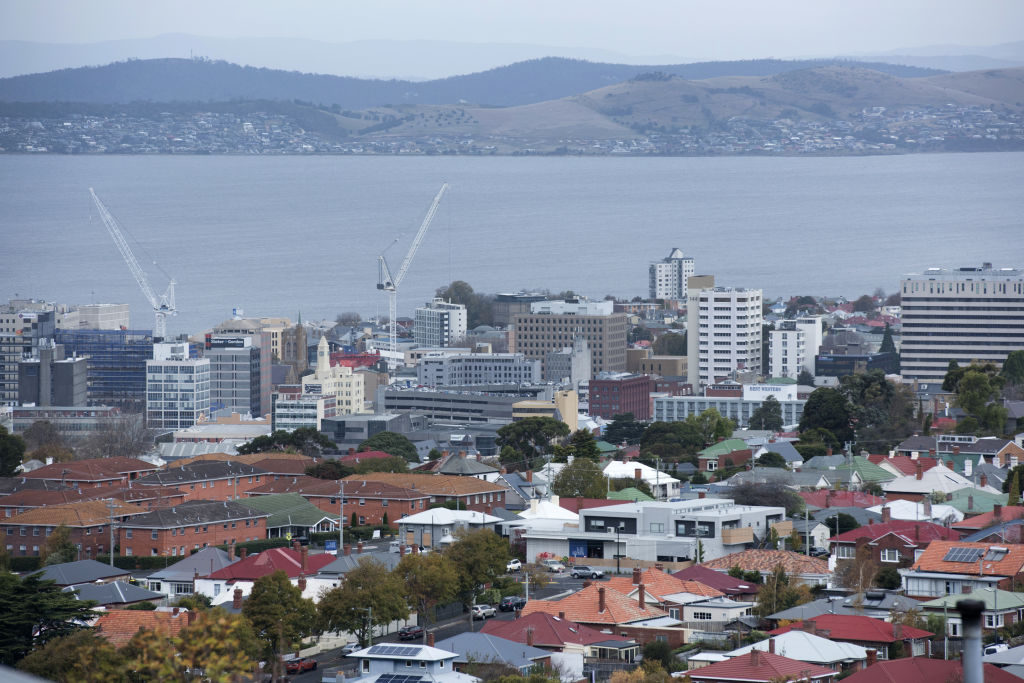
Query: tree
(777, 593)
(827, 408)
(1013, 368)
(479, 557)
(279, 614)
(58, 547)
(672, 440)
(220, 645)
(41, 433)
(50, 453)
(125, 436)
(305, 440)
(805, 378)
(622, 483)
(768, 415)
(888, 578)
(12, 450)
(698, 553)
(624, 429)
(888, 345)
(771, 494)
(712, 426)
(82, 657)
(329, 469)
(772, 459)
(752, 576)
(1017, 472)
(796, 542)
(660, 651)
(841, 523)
(150, 656)
(434, 454)
(582, 444)
(976, 393)
(1014, 493)
(581, 477)
(859, 572)
(882, 410)
(479, 307)
(348, 319)
(33, 612)
(531, 437)
(864, 304)
(429, 580)
(392, 464)
(370, 596)
(670, 344)
(392, 444)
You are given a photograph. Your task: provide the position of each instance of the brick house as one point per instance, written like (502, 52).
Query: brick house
(469, 492)
(762, 667)
(28, 499)
(891, 543)
(209, 480)
(176, 531)
(950, 567)
(93, 473)
(724, 455)
(88, 523)
(868, 632)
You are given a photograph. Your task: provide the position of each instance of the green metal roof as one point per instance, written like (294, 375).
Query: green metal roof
(998, 599)
(972, 501)
(606, 447)
(631, 493)
(780, 380)
(724, 448)
(288, 509)
(868, 471)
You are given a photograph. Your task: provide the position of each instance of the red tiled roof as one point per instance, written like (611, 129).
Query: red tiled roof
(269, 561)
(760, 666)
(548, 631)
(729, 585)
(824, 498)
(1006, 513)
(904, 463)
(431, 484)
(282, 466)
(658, 584)
(577, 504)
(767, 560)
(583, 606)
(914, 533)
(86, 513)
(34, 498)
(119, 625)
(96, 469)
(854, 627)
(931, 560)
(924, 670)
(356, 458)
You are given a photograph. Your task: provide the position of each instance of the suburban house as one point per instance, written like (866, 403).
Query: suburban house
(951, 567)
(924, 670)
(998, 515)
(208, 480)
(179, 578)
(469, 493)
(27, 499)
(81, 571)
(436, 527)
(803, 568)
(877, 604)
(375, 503)
(663, 486)
(116, 594)
(761, 667)
(222, 585)
(88, 523)
(391, 663)
(873, 634)
(827, 498)
(117, 626)
(922, 483)
(82, 474)
(1002, 608)
(291, 515)
(662, 590)
(807, 647)
(737, 589)
(724, 455)
(176, 531)
(891, 543)
(482, 649)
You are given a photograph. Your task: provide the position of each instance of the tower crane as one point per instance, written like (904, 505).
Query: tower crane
(390, 284)
(163, 305)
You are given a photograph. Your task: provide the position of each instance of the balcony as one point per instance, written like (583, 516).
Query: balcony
(784, 528)
(737, 536)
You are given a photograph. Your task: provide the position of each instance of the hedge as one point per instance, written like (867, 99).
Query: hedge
(23, 564)
(141, 562)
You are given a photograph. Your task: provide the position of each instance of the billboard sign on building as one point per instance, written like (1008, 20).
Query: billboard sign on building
(759, 392)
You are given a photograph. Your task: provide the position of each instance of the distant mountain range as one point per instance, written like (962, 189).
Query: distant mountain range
(530, 82)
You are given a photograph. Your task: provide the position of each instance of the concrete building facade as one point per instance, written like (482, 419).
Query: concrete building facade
(51, 379)
(21, 333)
(570, 363)
(729, 332)
(177, 387)
(338, 381)
(239, 374)
(115, 361)
(962, 314)
(553, 325)
(439, 323)
(738, 408)
(478, 368)
(668, 277)
(104, 317)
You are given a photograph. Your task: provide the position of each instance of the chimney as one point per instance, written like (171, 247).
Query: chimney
(828, 498)
(245, 553)
(561, 615)
(195, 576)
(637, 473)
(191, 615)
(636, 576)
(587, 583)
(236, 599)
(950, 464)
(956, 451)
(872, 658)
(702, 494)
(970, 503)
(415, 549)
(305, 557)
(600, 600)
(920, 471)
(886, 515)
(529, 637)
(347, 549)
(828, 451)
(401, 550)
(529, 476)
(927, 507)
(983, 480)
(359, 548)
(660, 567)
(643, 597)
(430, 639)
(997, 511)
(231, 552)
(174, 612)
(897, 631)
(503, 470)
(296, 546)
(931, 452)
(755, 658)
(351, 450)
(771, 645)
(302, 584)
(968, 467)
(462, 454)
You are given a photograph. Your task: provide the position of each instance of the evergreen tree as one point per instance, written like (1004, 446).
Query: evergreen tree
(1014, 494)
(34, 611)
(888, 346)
(12, 450)
(279, 615)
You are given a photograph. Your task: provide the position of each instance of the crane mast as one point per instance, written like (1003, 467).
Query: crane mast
(163, 305)
(390, 284)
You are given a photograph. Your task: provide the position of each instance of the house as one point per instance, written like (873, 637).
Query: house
(375, 503)
(27, 499)
(807, 647)
(724, 455)
(877, 604)
(115, 594)
(348, 560)
(179, 578)
(891, 543)
(114, 471)
(389, 663)
(520, 489)
(82, 571)
(828, 498)
(663, 590)
(813, 533)
(922, 483)
(999, 514)
(798, 479)
(919, 511)
(974, 501)
(870, 633)
(291, 515)
(706, 614)
(807, 570)
(117, 626)
(951, 567)
(1011, 531)
(208, 480)
(221, 585)
(482, 649)
(737, 589)
(458, 465)
(663, 486)
(761, 667)
(88, 523)
(469, 493)
(784, 448)
(862, 516)
(924, 670)
(176, 531)
(436, 528)
(1002, 608)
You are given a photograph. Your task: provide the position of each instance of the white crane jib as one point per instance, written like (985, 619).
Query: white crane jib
(390, 284)
(163, 305)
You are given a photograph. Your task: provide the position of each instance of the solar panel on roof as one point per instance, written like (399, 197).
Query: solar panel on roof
(398, 678)
(963, 555)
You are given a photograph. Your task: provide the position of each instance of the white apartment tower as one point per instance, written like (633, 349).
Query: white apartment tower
(793, 346)
(177, 387)
(668, 277)
(962, 314)
(439, 323)
(729, 332)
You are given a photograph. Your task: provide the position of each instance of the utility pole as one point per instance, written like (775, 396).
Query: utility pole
(341, 520)
(111, 505)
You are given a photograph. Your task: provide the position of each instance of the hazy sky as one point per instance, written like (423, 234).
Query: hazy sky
(698, 29)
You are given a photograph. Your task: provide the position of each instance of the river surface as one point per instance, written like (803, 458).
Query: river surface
(284, 235)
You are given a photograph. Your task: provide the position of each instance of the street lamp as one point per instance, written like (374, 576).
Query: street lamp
(618, 554)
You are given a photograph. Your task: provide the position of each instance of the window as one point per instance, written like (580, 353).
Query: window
(154, 534)
(702, 616)
(366, 666)
(993, 620)
(890, 555)
(844, 552)
(384, 503)
(408, 664)
(657, 528)
(712, 465)
(127, 533)
(673, 612)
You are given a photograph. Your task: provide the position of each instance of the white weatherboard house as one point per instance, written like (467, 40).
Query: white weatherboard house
(436, 527)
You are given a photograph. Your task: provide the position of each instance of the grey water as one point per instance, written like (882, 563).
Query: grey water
(295, 234)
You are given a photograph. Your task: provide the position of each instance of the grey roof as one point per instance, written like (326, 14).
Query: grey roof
(873, 603)
(804, 526)
(505, 515)
(786, 450)
(114, 593)
(346, 563)
(760, 475)
(996, 475)
(482, 647)
(996, 529)
(518, 483)
(205, 562)
(194, 512)
(990, 445)
(825, 462)
(9, 485)
(187, 449)
(860, 514)
(1015, 655)
(200, 471)
(82, 571)
(1014, 409)
(917, 443)
(462, 467)
(684, 468)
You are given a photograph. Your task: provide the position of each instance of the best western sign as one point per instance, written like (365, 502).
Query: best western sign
(759, 392)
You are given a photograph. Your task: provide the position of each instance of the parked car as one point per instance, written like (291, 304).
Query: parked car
(482, 611)
(819, 552)
(512, 603)
(553, 565)
(298, 666)
(350, 648)
(410, 632)
(995, 648)
(513, 565)
(582, 571)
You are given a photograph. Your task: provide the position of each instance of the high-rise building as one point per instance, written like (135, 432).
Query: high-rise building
(239, 373)
(49, 378)
(21, 333)
(439, 323)
(793, 346)
(617, 393)
(177, 387)
(668, 277)
(115, 362)
(962, 314)
(477, 368)
(729, 332)
(695, 285)
(553, 325)
(571, 363)
(104, 317)
(338, 381)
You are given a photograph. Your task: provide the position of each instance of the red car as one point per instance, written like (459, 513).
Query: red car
(298, 666)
